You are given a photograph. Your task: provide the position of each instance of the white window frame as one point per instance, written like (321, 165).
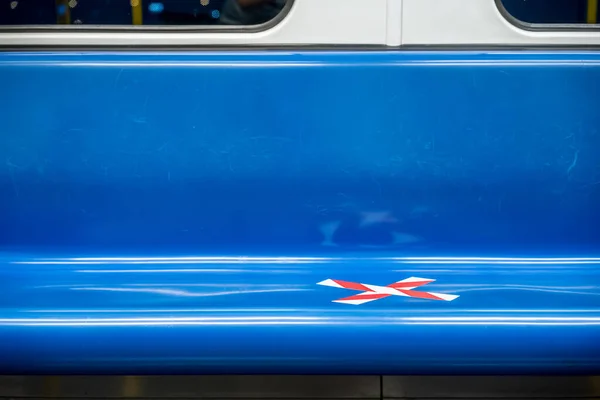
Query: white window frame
(308, 22)
(378, 23)
(479, 22)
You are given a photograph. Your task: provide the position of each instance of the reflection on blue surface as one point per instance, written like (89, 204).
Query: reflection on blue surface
(149, 223)
(157, 314)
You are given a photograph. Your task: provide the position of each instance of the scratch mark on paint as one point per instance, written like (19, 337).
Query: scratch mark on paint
(118, 78)
(11, 167)
(328, 230)
(574, 163)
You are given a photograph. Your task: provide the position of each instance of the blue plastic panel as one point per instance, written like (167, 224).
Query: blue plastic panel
(317, 166)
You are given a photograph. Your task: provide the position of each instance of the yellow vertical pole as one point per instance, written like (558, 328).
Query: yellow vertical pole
(66, 17)
(136, 12)
(592, 11)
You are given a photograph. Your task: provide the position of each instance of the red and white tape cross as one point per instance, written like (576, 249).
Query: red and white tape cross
(374, 292)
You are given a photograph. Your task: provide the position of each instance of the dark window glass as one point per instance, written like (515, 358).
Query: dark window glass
(139, 12)
(553, 11)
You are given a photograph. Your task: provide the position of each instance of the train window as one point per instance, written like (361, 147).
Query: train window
(140, 12)
(551, 12)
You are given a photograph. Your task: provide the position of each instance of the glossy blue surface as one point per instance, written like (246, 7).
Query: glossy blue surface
(131, 183)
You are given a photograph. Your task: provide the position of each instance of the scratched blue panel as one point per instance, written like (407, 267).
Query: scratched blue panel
(357, 160)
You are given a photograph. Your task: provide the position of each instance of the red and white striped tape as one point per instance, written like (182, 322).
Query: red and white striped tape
(374, 292)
